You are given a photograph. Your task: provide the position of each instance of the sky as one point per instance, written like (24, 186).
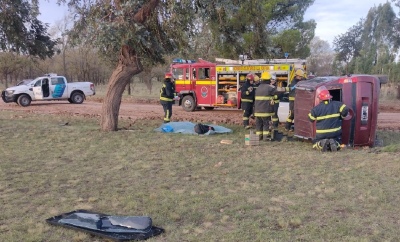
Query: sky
(333, 18)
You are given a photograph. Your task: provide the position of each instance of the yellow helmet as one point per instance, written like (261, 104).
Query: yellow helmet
(299, 72)
(256, 78)
(265, 76)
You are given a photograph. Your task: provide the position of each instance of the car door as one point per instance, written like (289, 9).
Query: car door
(58, 88)
(37, 90)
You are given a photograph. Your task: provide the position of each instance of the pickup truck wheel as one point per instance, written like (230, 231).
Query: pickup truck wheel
(24, 100)
(77, 98)
(70, 100)
(188, 103)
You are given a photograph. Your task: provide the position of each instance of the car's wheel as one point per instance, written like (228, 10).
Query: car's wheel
(188, 103)
(209, 108)
(77, 98)
(70, 100)
(24, 100)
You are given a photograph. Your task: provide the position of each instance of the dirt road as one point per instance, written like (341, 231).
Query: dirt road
(388, 118)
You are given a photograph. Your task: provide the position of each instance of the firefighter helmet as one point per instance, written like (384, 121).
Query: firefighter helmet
(324, 95)
(299, 72)
(256, 78)
(273, 77)
(265, 76)
(168, 75)
(250, 77)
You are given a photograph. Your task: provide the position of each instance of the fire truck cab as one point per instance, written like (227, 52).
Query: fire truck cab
(209, 85)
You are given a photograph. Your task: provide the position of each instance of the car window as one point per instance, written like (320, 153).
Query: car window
(57, 80)
(24, 82)
(38, 83)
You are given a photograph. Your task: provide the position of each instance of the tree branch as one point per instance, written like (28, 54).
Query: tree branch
(142, 15)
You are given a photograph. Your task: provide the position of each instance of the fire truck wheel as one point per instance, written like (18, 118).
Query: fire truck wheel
(209, 108)
(188, 103)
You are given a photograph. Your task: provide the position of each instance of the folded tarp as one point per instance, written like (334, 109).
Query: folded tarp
(119, 228)
(188, 128)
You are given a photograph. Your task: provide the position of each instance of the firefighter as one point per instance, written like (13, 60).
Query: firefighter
(247, 99)
(328, 114)
(167, 97)
(299, 76)
(264, 107)
(256, 81)
(277, 96)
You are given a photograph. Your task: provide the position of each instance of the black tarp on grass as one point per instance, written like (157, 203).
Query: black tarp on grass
(118, 228)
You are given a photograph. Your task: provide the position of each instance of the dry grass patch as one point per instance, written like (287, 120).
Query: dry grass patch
(192, 186)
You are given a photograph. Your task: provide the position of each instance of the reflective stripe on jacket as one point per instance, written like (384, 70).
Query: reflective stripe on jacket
(264, 100)
(167, 91)
(247, 92)
(328, 116)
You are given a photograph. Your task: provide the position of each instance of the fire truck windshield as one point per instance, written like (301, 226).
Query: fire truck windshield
(178, 73)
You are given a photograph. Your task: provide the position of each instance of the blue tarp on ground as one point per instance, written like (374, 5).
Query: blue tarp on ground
(188, 128)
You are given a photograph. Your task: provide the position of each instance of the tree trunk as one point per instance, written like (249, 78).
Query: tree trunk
(128, 66)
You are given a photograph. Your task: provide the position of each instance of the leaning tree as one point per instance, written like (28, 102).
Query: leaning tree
(137, 33)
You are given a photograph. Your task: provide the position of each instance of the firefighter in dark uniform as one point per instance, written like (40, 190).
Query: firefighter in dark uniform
(247, 99)
(277, 97)
(328, 115)
(264, 107)
(299, 75)
(167, 96)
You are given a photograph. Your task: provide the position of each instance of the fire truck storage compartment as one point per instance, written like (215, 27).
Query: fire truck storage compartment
(360, 93)
(227, 90)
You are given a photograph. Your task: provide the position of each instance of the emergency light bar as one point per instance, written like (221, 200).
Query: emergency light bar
(182, 61)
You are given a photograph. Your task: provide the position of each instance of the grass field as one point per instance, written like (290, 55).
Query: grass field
(192, 186)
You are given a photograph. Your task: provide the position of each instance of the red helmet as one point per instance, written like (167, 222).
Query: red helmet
(324, 95)
(250, 76)
(168, 75)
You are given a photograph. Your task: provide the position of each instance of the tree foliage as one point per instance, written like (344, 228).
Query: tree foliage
(321, 58)
(248, 27)
(348, 45)
(20, 30)
(370, 45)
(135, 33)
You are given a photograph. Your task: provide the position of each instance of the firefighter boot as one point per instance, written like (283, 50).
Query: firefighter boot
(274, 134)
(324, 145)
(267, 136)
(288, 125)
(245, 123)
(334, 145)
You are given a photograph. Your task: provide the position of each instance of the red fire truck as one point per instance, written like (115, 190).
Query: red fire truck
(206, 84)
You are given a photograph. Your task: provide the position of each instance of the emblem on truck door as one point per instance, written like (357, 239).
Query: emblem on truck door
(204, 91)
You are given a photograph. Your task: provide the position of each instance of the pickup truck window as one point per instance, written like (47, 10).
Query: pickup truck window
(57, 80)
(38, 83)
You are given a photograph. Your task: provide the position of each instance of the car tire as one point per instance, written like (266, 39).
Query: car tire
(24, 100)
(77, 98)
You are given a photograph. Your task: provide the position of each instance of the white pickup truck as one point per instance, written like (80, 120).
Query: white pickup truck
(48, 87)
